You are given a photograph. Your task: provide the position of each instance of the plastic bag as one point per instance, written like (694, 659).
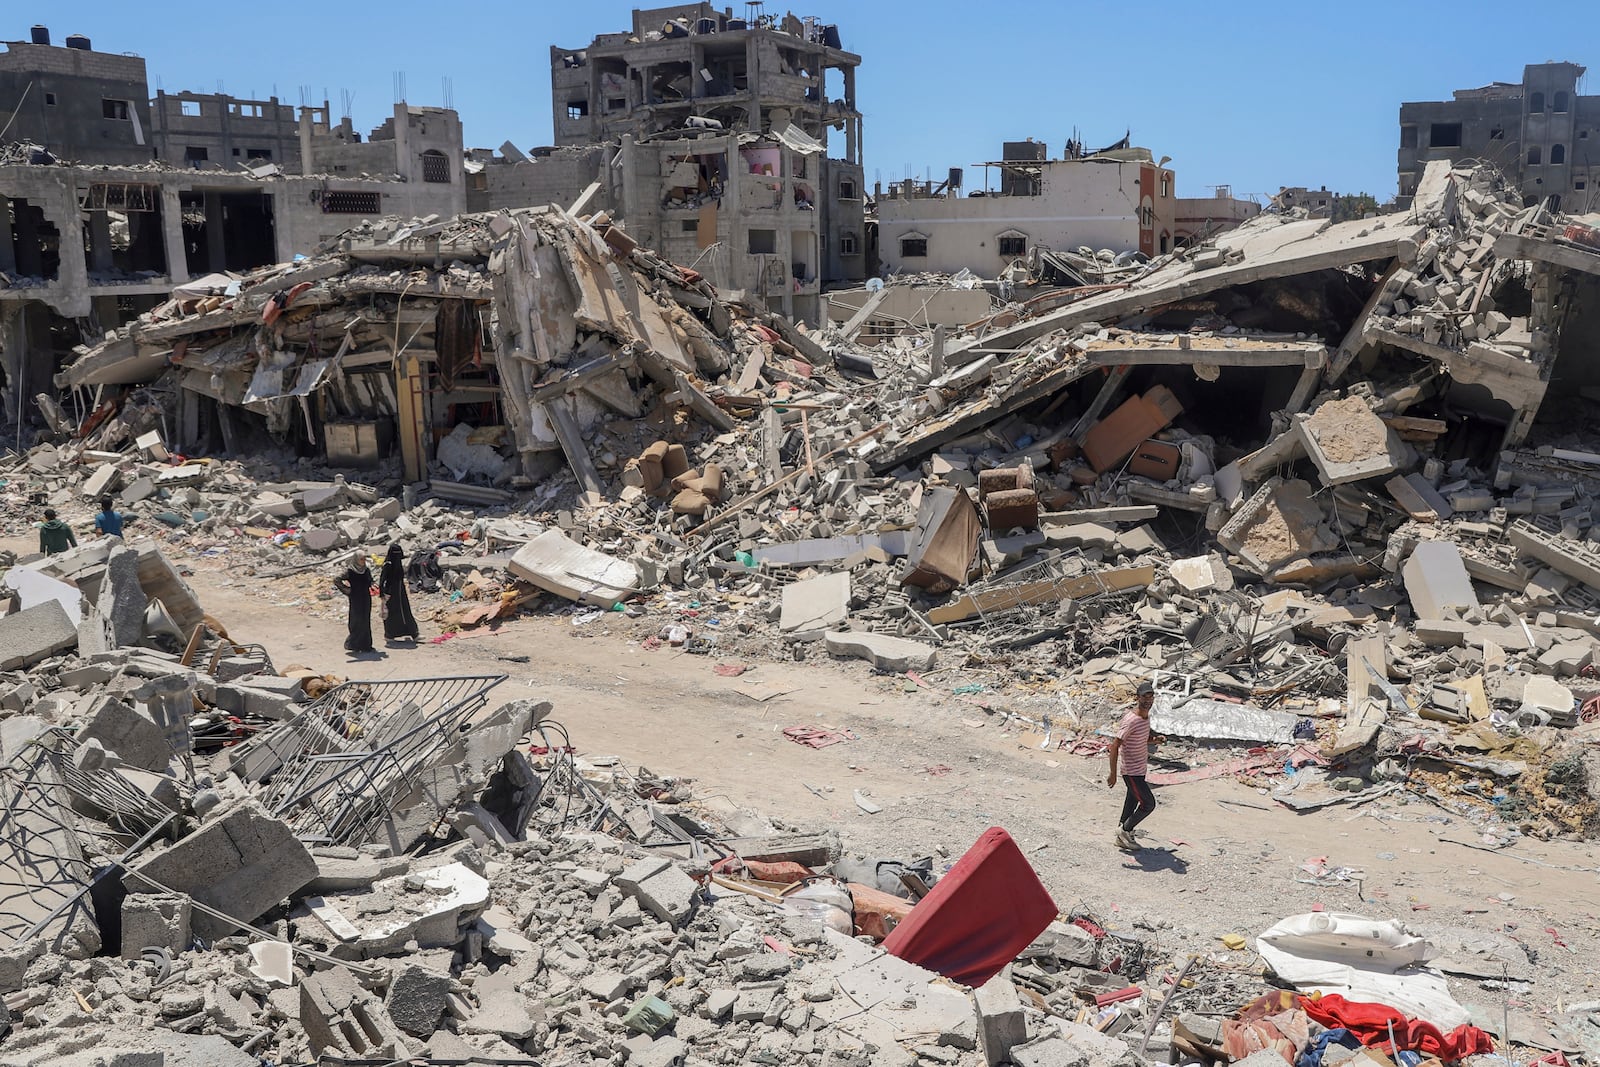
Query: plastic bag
(827, 901)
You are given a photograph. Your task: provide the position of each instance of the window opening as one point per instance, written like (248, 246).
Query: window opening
(435, 167)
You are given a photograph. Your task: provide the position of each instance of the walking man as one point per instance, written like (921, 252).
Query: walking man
(55, 536)
(1132, 746)
(108, 521)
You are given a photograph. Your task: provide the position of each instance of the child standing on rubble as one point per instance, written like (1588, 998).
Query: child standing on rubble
(356, 584)
(1132, 747)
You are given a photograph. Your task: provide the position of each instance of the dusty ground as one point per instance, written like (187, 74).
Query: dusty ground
(1229, 857)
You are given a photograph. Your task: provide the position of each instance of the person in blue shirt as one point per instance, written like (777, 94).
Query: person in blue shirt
(108, 523)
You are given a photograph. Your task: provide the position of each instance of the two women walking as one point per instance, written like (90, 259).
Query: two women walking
(394, 602)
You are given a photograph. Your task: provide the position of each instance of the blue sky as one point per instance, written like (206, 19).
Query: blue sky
(1248, 94)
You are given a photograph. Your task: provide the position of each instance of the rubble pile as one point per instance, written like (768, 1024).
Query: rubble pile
(231, 865)
(1288, 473)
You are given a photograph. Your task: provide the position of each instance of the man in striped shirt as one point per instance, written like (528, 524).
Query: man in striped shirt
(1132, 748)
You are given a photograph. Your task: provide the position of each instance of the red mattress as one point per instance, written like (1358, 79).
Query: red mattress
(978, 917)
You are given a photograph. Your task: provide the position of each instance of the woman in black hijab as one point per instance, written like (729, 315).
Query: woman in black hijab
(398, 622)
(356, 584)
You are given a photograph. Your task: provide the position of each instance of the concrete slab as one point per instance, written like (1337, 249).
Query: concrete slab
(815, 605)
(559, 565)
(883, 651)
(33, 588)
(1421, 501)
(1437, 582)
(34, 634)
(1347, 442)
(242, 863)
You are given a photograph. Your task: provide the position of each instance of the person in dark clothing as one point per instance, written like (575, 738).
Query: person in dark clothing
(54, 535)
(108, 523)
(356, 584)
(398, 622)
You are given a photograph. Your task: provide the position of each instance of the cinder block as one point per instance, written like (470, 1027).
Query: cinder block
(1002, 1026)
(661, 889)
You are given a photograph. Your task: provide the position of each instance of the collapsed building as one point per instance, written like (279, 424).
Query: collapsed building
(107, 201)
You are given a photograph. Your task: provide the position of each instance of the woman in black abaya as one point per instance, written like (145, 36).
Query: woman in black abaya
(356, 584)
(398, 622)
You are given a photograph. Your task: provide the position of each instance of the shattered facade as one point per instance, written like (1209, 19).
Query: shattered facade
(710, 137)
(1536, 131)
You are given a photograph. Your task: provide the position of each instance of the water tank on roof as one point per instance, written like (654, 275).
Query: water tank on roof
(954, 180)
(705, 26)
(40, 35)
(78, 41)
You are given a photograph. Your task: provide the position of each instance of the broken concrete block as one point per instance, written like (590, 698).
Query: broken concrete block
(34, 634)
(883, 651)
(320, 539)
(417, 999)
(1002, 1026)
(155, 920)
(812, 606)
(135, 738)
(341, 1019)
(103, 481)
(1201, 574)
(386, 510)
(137, 490)
(606, 985)
(1347, 442)
(1282, 521)
(1050, 1051)
(1545, 697)
(1566, 659)
(117, 619)
(1437, 581)
(504, 1012)
(241, 863)
(660, 888)
(660, 1051)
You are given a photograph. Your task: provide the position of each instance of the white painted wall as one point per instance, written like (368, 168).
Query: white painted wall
(1082, 202)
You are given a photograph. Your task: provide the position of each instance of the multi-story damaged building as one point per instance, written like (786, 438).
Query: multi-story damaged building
(710, 136)
(212, 131)
(1542, 135)
(93, 107)
(100, 218)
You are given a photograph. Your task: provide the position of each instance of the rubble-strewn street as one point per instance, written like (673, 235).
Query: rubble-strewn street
(537, 635)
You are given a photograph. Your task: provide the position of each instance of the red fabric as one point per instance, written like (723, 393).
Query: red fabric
(979, 916)
(1370, 1024)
